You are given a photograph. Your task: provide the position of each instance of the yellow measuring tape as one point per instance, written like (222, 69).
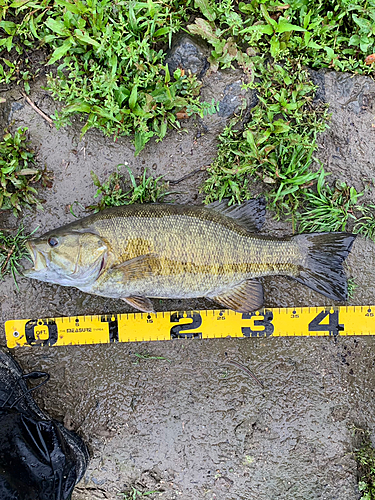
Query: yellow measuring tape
(136, 327)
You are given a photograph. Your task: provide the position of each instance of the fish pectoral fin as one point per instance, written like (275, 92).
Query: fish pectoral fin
(251, 214)
(245, 297)
(141, 266)
(142, 303)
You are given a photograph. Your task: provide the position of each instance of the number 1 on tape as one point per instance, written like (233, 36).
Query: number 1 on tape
(277, 322)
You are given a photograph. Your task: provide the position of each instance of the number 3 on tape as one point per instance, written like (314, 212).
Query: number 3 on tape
(261, 324)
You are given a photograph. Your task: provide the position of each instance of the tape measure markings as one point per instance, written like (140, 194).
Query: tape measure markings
(134, 327)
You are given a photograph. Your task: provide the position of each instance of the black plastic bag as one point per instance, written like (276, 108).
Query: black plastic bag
(39, 458)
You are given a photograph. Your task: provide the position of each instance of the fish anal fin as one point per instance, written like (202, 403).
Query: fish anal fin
(245, 297)
(250, 214)
(141, 303)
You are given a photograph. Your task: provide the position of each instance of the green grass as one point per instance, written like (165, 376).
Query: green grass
(337, 35)
(135, 493)
(12, 251)
(110, 61)
(18, 174)
(329, 209)
(365, 224)
(108, 67)
(118, 190)
(365, 458)
(352, 287)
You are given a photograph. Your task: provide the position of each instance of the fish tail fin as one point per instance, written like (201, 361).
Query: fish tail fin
(322, 268)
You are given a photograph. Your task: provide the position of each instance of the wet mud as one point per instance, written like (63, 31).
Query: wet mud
(192, 425)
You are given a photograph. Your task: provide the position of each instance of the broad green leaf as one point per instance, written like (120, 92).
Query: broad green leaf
(14, 201)
(362, 23)
(203, 28)
(56, 27)
(121, 94)
(60, 51)
(306, 19)
(133, 97)
(28, 171)
(32, 28)
(49, 38)
(162, 31)
(7, 170)
(364, 44)
(87, 125)
(163, 129)
(261, 28)
(267, 17)
(19, 3)
(9, 43)
(71, 7)
(246, 8)
(167, 77)
(274, 46)
(314, 45)
(280, 126)
(83, 37)
(104, 113)
(95, 179)
(113, 65)
(78, 107)
(354, 40)
(283, 26)
(206, 8)
(8, 27)
(250, 140)
(140, 140)
(151, 8)
(330, 52)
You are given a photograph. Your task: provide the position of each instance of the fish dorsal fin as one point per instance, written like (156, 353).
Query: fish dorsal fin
(250, 214)
(243, 298)
(141, 303)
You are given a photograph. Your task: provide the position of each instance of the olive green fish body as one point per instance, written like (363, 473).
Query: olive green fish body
(184, 252)
(176, 251)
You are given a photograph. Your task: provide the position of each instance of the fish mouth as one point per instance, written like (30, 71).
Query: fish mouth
(38, 259)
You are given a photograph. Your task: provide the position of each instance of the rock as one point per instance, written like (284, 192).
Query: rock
(188, 53)
(346, 148)
(225, 88)
(234, 98)
(317, 77)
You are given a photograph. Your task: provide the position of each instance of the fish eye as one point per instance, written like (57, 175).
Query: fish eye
(53, 241)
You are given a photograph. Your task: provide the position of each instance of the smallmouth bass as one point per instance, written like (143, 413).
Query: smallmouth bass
(134, 252)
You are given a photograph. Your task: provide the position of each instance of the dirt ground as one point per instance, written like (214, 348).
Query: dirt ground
(190, 426)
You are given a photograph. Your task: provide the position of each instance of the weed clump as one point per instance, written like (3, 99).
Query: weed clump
(18, 173)
(117, 190)
(12, 251)
(276, 144)
(110, 71)
(110, 60)
(365, 458)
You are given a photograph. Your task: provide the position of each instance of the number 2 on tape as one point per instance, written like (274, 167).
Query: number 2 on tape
(177, 329)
